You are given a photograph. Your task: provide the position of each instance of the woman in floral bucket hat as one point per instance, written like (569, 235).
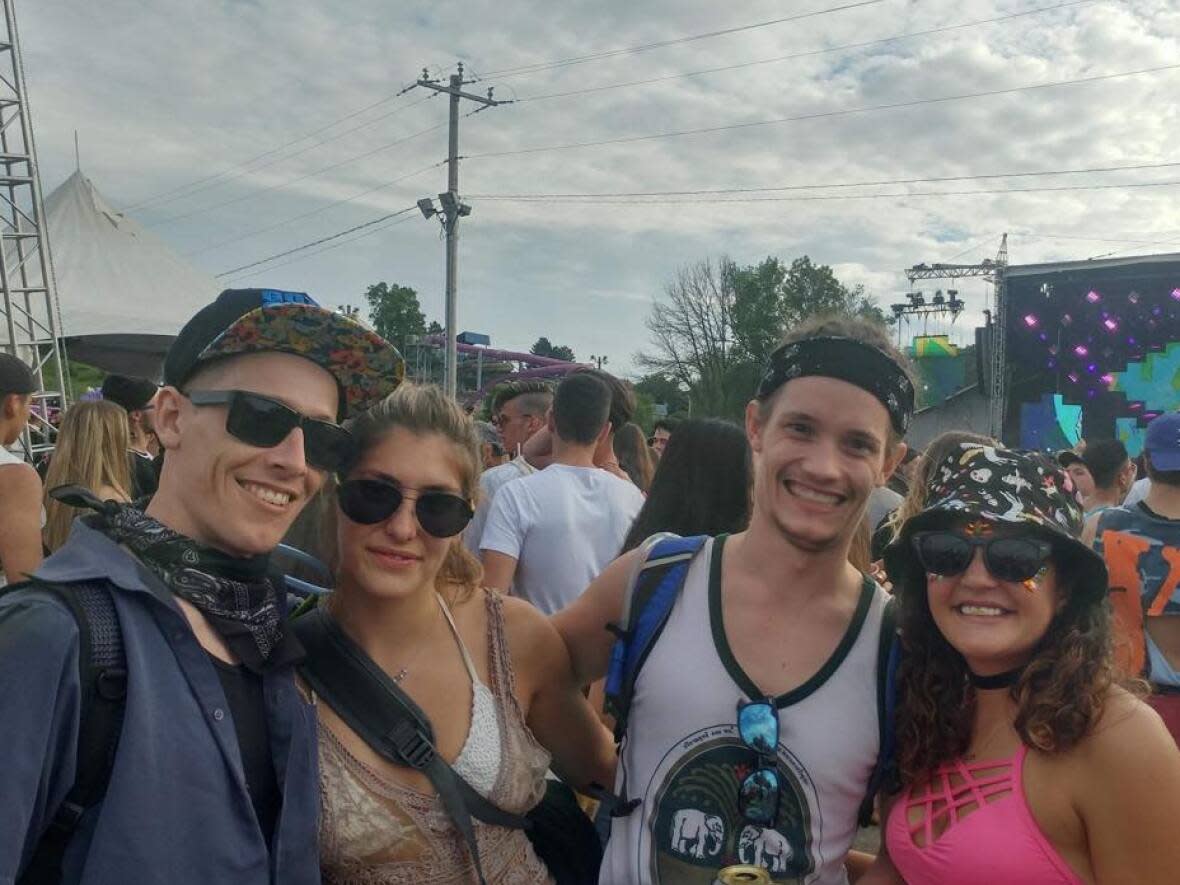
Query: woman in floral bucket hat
(1020, 760)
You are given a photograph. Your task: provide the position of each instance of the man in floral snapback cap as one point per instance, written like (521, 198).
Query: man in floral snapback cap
(201, 765)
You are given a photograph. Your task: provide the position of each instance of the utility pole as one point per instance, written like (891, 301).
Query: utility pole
(452, 208)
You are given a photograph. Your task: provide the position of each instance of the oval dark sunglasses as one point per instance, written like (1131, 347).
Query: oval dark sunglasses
(369, 501)
(948, 553)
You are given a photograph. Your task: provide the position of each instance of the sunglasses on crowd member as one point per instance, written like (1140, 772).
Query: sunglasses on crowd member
(949, 553)
(369, 501)
(758, 794)
(260, 421)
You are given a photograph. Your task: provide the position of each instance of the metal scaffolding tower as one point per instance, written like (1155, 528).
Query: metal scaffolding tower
(993, 271)
(31, 318)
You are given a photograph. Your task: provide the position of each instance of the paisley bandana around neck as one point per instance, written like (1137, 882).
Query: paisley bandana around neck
(847, 359)
(235, 595)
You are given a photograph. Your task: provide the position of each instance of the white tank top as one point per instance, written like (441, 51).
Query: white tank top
(683, 758)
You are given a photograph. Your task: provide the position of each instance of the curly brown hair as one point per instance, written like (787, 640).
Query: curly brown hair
(1059, 696)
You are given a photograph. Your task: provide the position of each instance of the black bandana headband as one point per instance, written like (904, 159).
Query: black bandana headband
(846, 359)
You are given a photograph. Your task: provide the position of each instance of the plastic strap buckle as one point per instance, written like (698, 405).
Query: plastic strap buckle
(411, 747)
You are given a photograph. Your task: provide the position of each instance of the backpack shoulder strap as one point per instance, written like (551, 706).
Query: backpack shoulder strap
(103, 679)
(650, 597)
(888, 658)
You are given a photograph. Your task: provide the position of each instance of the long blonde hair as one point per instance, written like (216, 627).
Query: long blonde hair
(92, 451)
(423, 409)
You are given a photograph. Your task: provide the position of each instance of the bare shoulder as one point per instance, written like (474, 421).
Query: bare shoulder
(1128, 737)
(527, 629)
(20, 479)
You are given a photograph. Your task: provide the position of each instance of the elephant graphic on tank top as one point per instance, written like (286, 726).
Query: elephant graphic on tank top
(693, 831)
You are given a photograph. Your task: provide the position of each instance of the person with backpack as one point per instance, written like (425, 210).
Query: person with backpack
(152, 730)
(441, 704)
(1020, 757)
(746, 679)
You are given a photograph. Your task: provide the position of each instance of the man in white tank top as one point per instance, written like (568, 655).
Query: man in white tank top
(774, 613)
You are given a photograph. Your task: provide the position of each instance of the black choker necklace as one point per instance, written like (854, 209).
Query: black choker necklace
(999, 680)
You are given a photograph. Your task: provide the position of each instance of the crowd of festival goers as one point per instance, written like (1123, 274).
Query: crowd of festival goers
(287, 618)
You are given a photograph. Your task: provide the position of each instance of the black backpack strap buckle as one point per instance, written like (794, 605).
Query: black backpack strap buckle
(411, 746)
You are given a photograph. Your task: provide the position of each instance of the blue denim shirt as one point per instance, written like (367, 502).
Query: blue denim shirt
(177, 810)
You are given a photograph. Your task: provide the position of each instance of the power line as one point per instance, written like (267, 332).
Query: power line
(660, 201)
(262, 230)
(821, 186)
(284, 184)
(806, 54)
(628, 139)
(328, 248)
(645, 47)
(246, 168)
(319, 241)
(166, 196)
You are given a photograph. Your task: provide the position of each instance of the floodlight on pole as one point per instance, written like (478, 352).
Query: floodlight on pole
(426, 207)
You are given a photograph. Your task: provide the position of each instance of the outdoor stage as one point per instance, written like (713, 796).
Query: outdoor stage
(1092, 349)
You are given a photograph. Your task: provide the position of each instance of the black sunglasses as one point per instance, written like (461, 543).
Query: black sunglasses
(758, 793)
(369, 501)
(948, 553)
(260, 421)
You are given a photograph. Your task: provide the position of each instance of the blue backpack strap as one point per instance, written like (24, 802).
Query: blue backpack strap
(888, 658)
(646, 609)
(102, 668)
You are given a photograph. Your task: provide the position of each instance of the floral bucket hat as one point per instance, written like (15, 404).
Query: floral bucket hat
(1007, 486)
(367, 368)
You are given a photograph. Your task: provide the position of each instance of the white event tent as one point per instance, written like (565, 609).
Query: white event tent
(124, 294)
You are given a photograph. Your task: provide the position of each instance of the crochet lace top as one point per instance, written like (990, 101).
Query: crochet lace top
(375, 831)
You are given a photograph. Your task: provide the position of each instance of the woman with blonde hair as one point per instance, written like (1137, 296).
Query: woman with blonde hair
(91, 452)
(488, 672)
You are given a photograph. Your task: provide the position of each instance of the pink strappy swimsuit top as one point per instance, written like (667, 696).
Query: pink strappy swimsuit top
(971, 825)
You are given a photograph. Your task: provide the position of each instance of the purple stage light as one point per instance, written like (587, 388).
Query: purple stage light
(1030, 320)
(1066, 319)
(1112, 325)
(1133, 297)
(1044, 336)
(1135, 407)
(1053, 349)
(1052, 364)
(1157, 310)
(1176, 294)
(1082, 350)
(1092, 368)
(1108, 380)
(1091, 393)
(1093, 297)
(1131, 340)
(1073, 376)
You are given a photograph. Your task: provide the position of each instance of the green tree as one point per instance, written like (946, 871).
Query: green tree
(665, 391)
(543, 347)
(809, 289)
(757, 316)
(395, 313)
(717, 323)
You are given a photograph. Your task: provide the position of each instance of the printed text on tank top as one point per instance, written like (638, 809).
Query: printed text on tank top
(972, 824)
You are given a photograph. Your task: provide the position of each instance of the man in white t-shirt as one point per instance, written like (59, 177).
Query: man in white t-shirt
(548, 535)
(519, 409)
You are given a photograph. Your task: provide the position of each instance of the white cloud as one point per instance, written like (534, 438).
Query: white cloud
(168, 92)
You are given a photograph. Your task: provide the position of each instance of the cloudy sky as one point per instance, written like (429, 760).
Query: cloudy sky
(240, 129)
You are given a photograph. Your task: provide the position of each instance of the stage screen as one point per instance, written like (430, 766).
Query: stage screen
(1093, 350)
